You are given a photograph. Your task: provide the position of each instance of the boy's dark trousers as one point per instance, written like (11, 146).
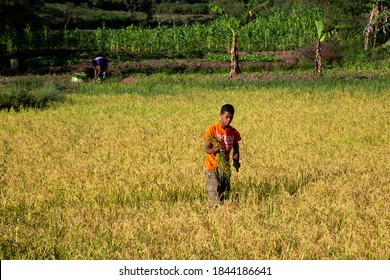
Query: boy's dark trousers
(217, 187)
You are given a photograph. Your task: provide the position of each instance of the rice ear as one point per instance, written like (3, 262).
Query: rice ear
(224, 168)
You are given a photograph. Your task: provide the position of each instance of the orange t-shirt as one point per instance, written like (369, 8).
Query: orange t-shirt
(226, 137)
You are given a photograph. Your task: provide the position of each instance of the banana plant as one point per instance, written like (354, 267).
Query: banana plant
(232, 24)
(252, 8)
(322, 36)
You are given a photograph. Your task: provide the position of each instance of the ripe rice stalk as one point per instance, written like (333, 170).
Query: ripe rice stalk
(224, 168)
(96, 178)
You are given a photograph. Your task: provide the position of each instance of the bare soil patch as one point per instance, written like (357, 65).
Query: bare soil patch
(288, 60)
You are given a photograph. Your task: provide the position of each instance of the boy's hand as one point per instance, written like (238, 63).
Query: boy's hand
(236, 165)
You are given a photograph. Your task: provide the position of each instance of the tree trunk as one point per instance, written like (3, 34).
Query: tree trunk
(318, 62)
(234, 67)
(369, 27)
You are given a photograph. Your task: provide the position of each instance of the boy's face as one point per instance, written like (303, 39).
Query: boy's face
(226, 119)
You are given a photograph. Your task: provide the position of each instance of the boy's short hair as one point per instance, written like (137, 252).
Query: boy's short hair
(227, 108)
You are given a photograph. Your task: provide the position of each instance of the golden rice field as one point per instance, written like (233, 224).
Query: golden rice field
(118, 174)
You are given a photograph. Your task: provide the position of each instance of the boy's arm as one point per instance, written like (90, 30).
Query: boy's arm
(210, 149)
(236, 156)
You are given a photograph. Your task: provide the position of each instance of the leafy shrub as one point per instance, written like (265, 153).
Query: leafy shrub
(23, 94)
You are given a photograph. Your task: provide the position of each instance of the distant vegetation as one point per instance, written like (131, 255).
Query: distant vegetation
(28, 92)
(278, 30)
(183, 29)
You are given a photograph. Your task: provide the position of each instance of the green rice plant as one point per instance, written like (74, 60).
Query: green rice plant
(44, 95)
(25, 94)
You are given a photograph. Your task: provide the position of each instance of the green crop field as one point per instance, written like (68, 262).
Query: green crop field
(116, 172)
(280, 30)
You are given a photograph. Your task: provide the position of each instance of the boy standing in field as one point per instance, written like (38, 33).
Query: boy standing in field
(220, 139)
(100, 66)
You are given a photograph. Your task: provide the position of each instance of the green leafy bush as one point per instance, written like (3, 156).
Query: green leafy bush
(23, 94)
